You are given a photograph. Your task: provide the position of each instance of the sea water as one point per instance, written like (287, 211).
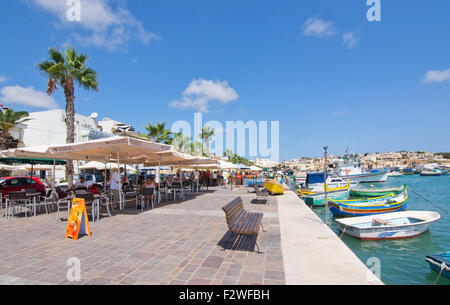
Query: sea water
(403, 261)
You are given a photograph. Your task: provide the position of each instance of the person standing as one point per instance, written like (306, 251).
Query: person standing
(115, 187)
(208, 178)
(215, 179)
(225, 178)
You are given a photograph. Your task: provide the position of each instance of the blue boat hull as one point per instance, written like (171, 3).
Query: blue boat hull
(341, 213)
(437, 260)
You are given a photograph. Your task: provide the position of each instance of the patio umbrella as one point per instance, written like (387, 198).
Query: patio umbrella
(125, 150)
(242, 166)
(227, 165)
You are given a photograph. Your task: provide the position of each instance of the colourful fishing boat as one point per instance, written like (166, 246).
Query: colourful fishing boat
(274, 187)
(318, 199)
(397, 225)
(369, 206)
(440, 263)
(376, 192)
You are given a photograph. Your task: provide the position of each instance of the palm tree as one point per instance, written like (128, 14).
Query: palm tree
(159, 133)
(207, 134)
(65, 70)
(8, 120)
(182, 142)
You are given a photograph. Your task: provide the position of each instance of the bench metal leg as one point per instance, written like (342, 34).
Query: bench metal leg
(256, 242)
(263, 227)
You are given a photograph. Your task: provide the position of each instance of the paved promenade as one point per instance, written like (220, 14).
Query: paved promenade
(182, 243)
(177, 243)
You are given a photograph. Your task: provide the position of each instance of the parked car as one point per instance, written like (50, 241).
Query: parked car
(18, 184)
(91, 179)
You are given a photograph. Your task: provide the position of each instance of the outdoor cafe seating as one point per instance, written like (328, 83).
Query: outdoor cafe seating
(16, 200)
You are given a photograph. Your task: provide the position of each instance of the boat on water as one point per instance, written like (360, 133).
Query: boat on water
(318, 199)
(350, 169)
(432, 172)
(440, 263)
(409, 171)
(300, 179)
(397, 225)
(395, 174)
(314, 193)
(376, 192)
(369, 206)
(274, 187)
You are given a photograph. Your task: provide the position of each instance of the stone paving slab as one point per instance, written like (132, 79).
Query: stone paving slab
(177, 243)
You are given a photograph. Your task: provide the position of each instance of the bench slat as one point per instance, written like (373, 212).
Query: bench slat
(241, 221)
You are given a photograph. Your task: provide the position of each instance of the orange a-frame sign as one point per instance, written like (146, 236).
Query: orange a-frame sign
(78, 224)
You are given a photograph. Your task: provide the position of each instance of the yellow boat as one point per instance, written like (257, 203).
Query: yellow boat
(274, 187)
(301, 192)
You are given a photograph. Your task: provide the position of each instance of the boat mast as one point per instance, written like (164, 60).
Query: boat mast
(327, 220)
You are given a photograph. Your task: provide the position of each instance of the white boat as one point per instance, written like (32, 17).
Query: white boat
(315, 182)
(395, 174)
(350, 169)
(388, 226)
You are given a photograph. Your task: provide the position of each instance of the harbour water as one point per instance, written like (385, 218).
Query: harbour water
(402, 262)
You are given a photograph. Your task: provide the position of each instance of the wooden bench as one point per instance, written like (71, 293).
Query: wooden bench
(242, 222)
(261, 195)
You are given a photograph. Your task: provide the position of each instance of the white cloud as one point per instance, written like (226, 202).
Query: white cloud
(200, 93)
(436, 76)
(103, 25)
(27, 97)
(350, 39)
(3, 79)
(318, 27)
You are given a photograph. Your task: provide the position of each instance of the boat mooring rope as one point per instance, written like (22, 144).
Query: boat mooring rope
(423, 198)
(443, 267)
(343, 231)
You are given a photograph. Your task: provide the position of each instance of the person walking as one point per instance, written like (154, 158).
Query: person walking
(115, 187)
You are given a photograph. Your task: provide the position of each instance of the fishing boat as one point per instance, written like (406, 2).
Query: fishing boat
(397, 225)
(350, 169)
(369, 206)
(395, 174)
(440, 263)
(314, 193)
(376, 192)
(408, 171)
(274, 187)
(432, 172)
(318, 199)
(315, 183)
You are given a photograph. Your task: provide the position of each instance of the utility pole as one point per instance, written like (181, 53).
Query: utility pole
(325, 169)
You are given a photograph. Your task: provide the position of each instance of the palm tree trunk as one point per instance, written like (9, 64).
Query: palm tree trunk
(70, 124)
(207, 146)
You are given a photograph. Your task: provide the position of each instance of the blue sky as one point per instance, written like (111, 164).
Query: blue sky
(386, 87)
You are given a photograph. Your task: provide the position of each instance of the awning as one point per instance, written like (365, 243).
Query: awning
(34, 161)
(128, 150)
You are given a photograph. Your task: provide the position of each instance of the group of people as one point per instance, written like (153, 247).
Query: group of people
(119, 180)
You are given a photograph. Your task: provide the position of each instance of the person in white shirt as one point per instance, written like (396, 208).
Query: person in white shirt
(81, 184)
(215, 179)
(115, 186)
(225, 179)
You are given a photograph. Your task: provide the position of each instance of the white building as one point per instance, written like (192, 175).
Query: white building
(266, 163)
(49, 127)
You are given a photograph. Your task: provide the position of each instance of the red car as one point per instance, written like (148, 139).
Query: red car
(17, 184)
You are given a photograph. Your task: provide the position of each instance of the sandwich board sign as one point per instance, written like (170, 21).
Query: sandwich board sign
(78, 224)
